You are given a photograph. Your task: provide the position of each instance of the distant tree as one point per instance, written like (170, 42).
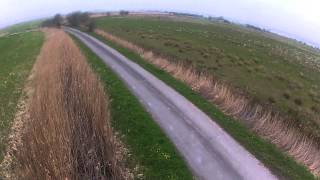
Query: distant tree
(56, 21)
(85, 18)
(186, 14)
(81, 20)
(124, 13)
(77, 18)
(46, 23)
(91, 26)
(256, 28)
(222, 19)
(73, 18)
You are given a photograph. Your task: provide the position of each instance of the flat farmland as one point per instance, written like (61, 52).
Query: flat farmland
(268, 68)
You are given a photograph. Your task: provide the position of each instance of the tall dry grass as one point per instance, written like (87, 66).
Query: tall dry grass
(68, 134)
(282, 131)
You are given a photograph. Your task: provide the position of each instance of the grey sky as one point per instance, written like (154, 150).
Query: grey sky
(299, 19)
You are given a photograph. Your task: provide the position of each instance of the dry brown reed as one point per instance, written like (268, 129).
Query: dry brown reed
(68, 134)
(262, 119)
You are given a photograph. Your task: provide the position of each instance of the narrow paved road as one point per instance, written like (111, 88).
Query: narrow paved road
(208, 150)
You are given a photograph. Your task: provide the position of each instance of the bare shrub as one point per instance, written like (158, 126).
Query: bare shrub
(284, 132)
(298, 101)
(286, 95)
(68, 134)
(314, 109)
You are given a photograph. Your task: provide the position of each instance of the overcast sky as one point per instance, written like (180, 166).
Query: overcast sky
(299, 19)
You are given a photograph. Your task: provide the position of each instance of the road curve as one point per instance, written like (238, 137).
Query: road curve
(208, 150)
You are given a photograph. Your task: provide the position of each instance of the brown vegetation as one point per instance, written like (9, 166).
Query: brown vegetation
(284, 132)
(68, 134)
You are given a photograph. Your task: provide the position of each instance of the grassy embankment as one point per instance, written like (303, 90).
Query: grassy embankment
(279, 163)
(269, 71)
(148, 145)
(17, 55)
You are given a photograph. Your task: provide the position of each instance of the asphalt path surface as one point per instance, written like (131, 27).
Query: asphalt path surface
(207, 149)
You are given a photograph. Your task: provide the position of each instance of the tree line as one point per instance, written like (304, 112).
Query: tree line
(75, 19)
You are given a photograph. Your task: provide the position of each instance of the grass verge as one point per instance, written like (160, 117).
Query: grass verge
(281, 164)
(149, 146)
(17, 55)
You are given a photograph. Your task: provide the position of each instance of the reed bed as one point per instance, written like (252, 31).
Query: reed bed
(267, 122)
(68, 134)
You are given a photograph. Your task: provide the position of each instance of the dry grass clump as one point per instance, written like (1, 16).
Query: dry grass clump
(68, 134)
(284, 132)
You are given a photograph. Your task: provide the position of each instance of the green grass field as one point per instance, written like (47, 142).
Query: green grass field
(17, 55)
(279, 163)
(148, 145)
(21, 27)
(269, 68)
